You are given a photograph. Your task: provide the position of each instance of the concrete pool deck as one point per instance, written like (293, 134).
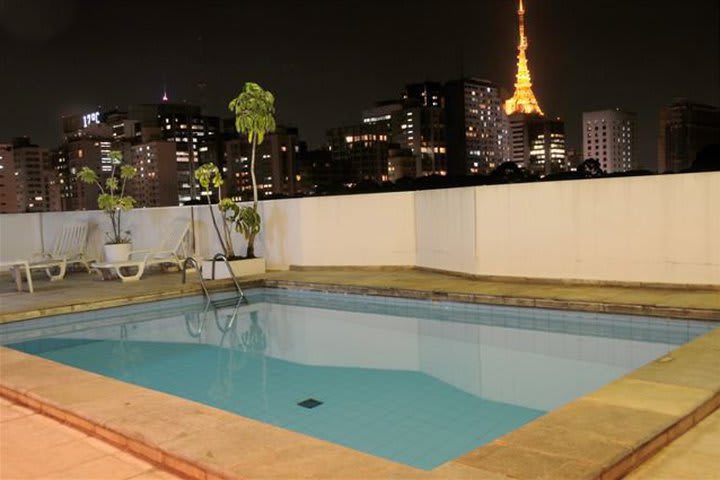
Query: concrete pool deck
(65, 452)
(602, 435)
(81, 292)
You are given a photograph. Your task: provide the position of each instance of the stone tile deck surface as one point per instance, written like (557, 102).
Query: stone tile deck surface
(82, 292)
(35, 447)
(603, 435)
(694, 456)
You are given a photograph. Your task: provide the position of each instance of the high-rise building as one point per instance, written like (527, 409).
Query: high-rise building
(318, 171)
(124, 129)
(416, 124)
(547, 147)
(685, 128)
(276, 167)
(59, 163)
(8, 192)
(538, 143)
(420, 127)
(426, 94)
(197, 139)
(361, 151)
(155, 184)
(74, 123)
(381, 114)
(609, 136)
(87, 147)
(403, 163)
(574, 157)
(477, 130)
(36, 186)
(421, 131)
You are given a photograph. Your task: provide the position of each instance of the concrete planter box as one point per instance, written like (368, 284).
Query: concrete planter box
(241, 268)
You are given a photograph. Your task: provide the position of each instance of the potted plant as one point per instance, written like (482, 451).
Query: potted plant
(113, 201)
(254, 110)
(232, 217)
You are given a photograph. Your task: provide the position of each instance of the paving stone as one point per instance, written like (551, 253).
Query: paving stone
(622, 425)
(694, 456)
(36, 447)
(8, 411)
(553, 439)
(521, 464)
(652, 396)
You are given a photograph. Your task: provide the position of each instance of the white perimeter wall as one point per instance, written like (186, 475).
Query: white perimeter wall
(659, 229)
(636, 229)
(373, 229)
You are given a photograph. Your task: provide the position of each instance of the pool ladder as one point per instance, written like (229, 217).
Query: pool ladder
(197, 331)
(198, 267)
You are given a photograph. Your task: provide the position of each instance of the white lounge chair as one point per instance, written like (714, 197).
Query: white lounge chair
(18, 267)
(176, 247)
(69, 245)
(129, 271)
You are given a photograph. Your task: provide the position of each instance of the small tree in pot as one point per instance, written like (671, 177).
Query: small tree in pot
(254, 111)
(244, 220)
(112, 200)
(208, 175)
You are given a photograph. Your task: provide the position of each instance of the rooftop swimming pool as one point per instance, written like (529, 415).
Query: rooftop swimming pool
(412, 381)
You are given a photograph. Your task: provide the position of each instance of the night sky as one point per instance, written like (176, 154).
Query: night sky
(327, 60)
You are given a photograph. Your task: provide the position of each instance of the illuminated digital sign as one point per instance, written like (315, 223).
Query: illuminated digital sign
(90, 118)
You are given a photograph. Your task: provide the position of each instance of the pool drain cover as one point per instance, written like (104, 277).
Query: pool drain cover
(310, 403)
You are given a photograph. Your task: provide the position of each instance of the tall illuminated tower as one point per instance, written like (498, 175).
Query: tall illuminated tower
(523, 101)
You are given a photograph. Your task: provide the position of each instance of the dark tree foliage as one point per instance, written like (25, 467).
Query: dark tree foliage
(331, 189)
(590, 168)
(562, 176)
(367, 185)
(707, 159)
(405, 184)
(509, 172)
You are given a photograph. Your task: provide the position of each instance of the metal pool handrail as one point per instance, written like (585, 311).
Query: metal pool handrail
(222, 257)
(199, 269)
(217, 257)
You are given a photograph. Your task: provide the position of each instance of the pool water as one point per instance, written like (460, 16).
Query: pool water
(414, 382)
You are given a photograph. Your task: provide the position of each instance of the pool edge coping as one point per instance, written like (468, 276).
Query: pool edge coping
(684, 313)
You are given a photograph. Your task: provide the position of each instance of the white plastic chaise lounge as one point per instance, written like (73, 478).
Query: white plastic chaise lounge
(18, 267)
(128, 271)
(176, 247)
(70, 244)
(69, 247)
(174, 251)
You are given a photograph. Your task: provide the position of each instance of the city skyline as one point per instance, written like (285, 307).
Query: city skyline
(328, 62)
